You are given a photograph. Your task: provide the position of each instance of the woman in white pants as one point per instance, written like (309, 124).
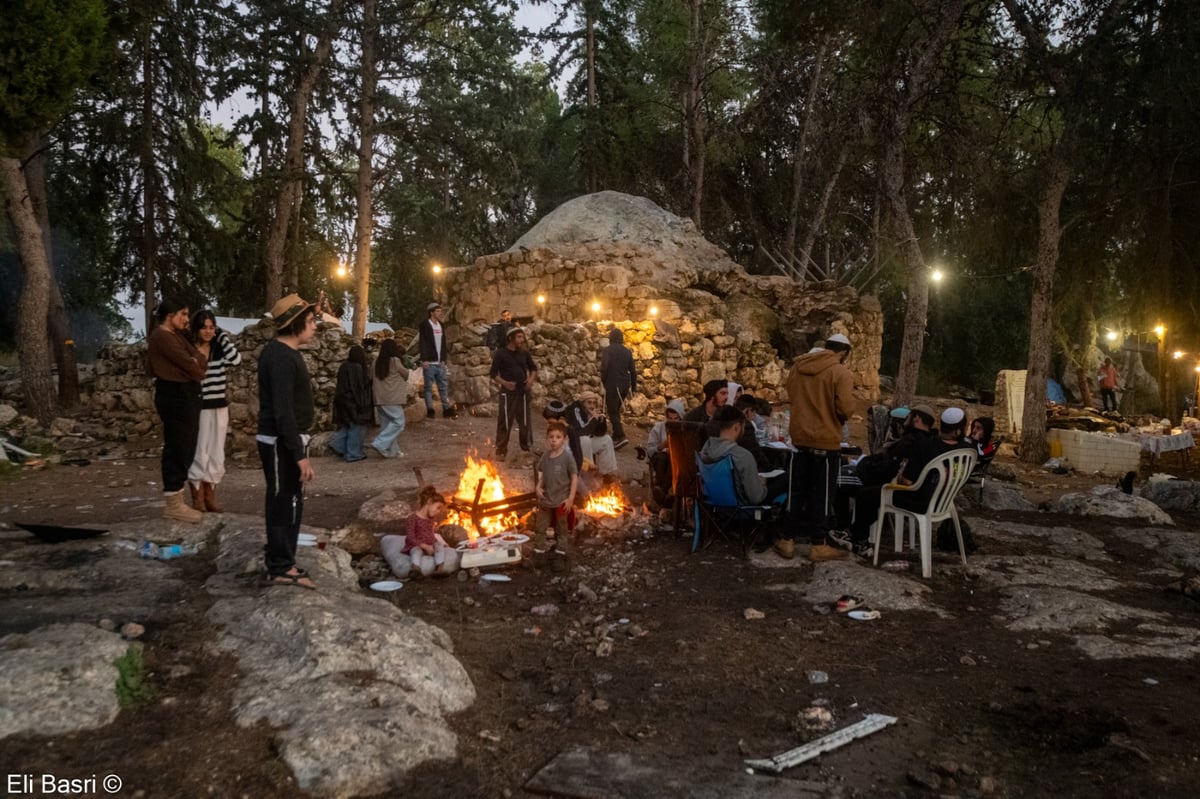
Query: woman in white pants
(209, 465)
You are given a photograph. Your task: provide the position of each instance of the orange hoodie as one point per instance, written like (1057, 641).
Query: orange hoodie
(819, 387)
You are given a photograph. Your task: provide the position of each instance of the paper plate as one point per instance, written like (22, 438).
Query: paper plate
(496, 578)
(387, 585)
(512, 538)
(863, 615)
(306, 540)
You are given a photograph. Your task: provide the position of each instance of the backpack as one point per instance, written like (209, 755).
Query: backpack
(947, 541)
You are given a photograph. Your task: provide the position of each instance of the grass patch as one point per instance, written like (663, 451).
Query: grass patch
(133, 688)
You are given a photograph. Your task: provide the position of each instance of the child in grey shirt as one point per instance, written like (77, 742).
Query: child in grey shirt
(557, 479)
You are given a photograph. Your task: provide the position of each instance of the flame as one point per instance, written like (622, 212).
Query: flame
(610, 502)
(493, 491)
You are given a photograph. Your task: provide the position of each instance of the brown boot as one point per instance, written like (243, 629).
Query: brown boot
(210, 498)
(197, 495)
(177, 510)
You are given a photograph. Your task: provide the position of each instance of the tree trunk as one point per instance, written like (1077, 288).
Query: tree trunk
(149, 180)
(799, 156)
(693, 113)
(293, 157)
(365, 222)
(818, 219)
(33, 354)
(57, 329)
(1033, 420)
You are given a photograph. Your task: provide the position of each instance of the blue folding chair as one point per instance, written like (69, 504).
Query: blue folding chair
(719, 510)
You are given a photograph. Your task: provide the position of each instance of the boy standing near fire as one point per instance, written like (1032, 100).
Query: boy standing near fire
(557, 479)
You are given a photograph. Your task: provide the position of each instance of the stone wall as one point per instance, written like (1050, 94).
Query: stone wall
(122, 395)
(688, 317)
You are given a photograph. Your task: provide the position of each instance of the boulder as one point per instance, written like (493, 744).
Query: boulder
(357, 689)
(1111, 501)
(59, 679)
(1182, 496)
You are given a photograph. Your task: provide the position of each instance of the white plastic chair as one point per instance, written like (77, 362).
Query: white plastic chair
(953, 469)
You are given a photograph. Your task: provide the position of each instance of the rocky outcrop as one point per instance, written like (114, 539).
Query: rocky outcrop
(1111, 501)
(58, 679)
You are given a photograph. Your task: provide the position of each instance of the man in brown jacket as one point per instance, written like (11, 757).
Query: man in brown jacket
(818, 388)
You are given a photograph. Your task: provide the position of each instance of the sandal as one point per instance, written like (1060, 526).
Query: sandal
(848, 602)
(293, 578)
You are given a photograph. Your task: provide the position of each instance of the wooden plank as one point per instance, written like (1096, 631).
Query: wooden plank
(593, 774)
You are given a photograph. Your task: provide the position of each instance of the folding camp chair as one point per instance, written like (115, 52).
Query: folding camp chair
(684, 440)
(951, 471)
(720, 511)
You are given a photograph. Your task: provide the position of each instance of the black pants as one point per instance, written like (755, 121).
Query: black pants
(178, 405)
(866, 508)
(284, 507)
(660, 469)
(814, 483)
(1107, 396)
(513, 410)
(614, 398)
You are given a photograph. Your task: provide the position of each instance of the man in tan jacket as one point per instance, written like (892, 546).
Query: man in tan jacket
(818, 388)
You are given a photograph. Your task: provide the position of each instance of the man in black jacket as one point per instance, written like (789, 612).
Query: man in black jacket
(619, 378)
(514, 372)
(432, 347)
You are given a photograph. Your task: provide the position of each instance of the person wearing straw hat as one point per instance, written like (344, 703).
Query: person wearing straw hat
(285, 415)
(514, 372)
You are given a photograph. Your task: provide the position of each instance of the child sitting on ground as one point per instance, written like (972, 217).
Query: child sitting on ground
(421, 550)
(557, 479)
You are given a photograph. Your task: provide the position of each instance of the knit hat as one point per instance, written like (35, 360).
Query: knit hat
(285, 311)
(512, 331)
(840, 343)
(953, 416)
(555, 409)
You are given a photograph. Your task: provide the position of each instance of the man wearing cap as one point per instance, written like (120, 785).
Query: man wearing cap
(584, 417)
(432, 346)
(819, 390)
(285, 414)
(514, 372)
(919, 446)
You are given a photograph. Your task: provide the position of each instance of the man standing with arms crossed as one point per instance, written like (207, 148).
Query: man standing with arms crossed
(514, 372)
(818, 388)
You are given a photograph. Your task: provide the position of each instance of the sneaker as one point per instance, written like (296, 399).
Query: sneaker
(841, 538)
(863, 549)
(429, 414)
(785, 548)
(622, 443)
(819, 552)
(848, 602)
(449, 413)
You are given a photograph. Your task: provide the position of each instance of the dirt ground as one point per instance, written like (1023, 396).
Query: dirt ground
(689, 680)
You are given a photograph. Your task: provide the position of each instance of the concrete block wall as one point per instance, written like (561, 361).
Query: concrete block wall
(1097, 452)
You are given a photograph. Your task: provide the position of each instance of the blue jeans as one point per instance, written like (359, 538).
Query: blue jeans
(391, 420)
(348, 442)
(436, 372)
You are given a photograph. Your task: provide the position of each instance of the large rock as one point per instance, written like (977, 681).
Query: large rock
(59, 679)
(1111, 501)
(1173, 495)
(1051, 609)
(357, 688)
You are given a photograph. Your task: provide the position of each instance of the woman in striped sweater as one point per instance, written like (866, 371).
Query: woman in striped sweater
(209, 465)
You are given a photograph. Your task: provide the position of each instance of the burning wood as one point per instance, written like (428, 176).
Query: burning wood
(609, 502)
(479, 504)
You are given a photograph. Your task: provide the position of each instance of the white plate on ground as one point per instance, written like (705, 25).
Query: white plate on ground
(863, 615)
(496, 578)
(387, 585)
(512, 538)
